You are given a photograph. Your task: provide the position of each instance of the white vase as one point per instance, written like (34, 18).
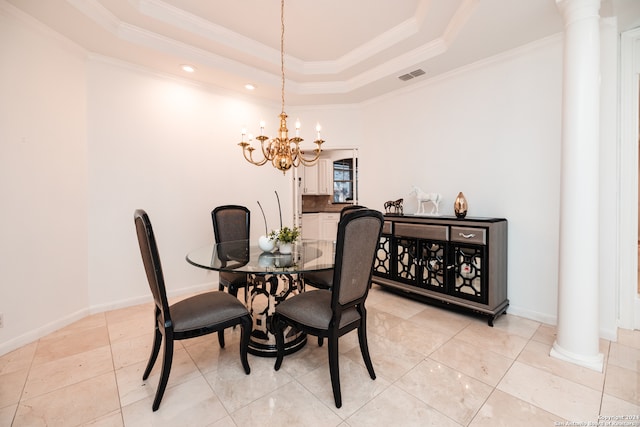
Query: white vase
(266, 244)
(285, 248)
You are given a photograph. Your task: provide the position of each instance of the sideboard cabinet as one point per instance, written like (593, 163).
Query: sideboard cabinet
(446, 260)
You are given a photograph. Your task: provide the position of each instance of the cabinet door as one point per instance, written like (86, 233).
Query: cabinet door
(310, 179)
(329, 226)
(469, 272)
(405, 268)
(325, 177)
(382, 261)
(433, 263)
(311, 226)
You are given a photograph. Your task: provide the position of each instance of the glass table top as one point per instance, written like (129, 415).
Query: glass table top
(243, 257)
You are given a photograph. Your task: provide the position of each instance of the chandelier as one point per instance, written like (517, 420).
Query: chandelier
(283, 152)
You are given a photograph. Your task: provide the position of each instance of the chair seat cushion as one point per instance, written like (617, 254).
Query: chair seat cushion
(319, 279)
(205, 310)
(313, 309)
(237, 280)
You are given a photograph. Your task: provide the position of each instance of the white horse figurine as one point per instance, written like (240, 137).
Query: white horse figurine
(423, 198)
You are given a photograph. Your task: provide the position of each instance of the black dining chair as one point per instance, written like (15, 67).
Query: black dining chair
(323, 279)
(331, 313)
(230, 223)
(192, 317)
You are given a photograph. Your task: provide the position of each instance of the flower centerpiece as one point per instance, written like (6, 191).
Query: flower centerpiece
(285, 237)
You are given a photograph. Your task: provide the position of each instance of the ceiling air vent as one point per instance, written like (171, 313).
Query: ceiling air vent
(409, 76)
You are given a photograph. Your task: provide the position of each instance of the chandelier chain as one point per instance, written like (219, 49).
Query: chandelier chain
(283, 152)
(282, 48)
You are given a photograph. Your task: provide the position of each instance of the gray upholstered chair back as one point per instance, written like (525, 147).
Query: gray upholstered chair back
(230, 222)
(151, 261)
(358, 237)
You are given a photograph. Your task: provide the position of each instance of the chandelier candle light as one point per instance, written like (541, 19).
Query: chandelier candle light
(281, 151)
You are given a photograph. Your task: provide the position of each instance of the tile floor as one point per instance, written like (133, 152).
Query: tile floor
(434, 368)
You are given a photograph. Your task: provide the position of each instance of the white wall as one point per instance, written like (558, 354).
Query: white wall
(492, 131)
(85, 144)
(170, 147)
(43, 175)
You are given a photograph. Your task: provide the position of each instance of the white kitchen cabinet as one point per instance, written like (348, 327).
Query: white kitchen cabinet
(320, 226)
(329, 226)
(311, 226)
(317, 179)
(310, 179)
(325, 177)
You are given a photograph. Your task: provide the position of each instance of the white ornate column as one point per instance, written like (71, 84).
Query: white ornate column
(578, 320)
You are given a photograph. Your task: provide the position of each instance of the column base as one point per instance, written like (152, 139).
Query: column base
(595, 363)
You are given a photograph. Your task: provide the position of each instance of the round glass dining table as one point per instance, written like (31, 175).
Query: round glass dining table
(272, 277)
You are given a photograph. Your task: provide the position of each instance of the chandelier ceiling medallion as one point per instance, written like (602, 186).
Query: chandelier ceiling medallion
(283, 152)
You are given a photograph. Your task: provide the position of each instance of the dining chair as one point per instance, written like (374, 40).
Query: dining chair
(192, 317)
(331, 313)
(323, 279)
(230, 223)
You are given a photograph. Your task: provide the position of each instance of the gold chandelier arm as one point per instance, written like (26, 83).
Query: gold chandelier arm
(247, 148)
(316, 156)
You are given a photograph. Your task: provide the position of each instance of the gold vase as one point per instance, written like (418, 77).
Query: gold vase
(460, 206)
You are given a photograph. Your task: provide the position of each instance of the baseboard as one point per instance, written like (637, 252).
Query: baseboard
(53, 326)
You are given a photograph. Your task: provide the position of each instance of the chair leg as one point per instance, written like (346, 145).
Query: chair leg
(334, 368)
(221, 338)
(157, 341)
(364, 347)
(167, 358)
(245, 333)
(278, 332)
(320, 341)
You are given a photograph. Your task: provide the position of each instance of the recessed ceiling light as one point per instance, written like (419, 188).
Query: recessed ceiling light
(188, 68)
(249, 86)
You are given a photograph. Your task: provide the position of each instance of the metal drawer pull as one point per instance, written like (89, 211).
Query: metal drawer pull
(467, 236)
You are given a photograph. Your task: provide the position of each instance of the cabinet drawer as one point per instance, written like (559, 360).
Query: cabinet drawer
(469, 235)
(422, 231)
(386, 227)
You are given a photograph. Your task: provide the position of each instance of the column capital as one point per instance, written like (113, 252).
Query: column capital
(576, 10)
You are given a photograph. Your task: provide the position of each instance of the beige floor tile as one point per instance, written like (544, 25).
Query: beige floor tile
(18, 360)
(6, 414)
(554, 394)
(630, 338)
(612, 406)
(65, 371)
(282, 408)
(504, 410)
(134, 323)
(395, 407)
(236, 389)
(477, 362)
(70, 341)
(379, 321)
(113, 419)
(545, 334)
(191, 403)
(624, 356)
(493, 339)
(356, 386)
(132, 388)
(73, 405)
(417, 338)
(450, 392)
(395, 304)
(443, 321)
(129, 351)
(389, 360)
(623, 383)
(11, 386)
(536, 354)
(516, 325)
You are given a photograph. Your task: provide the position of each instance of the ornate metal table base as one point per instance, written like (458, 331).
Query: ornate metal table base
(265, 292)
